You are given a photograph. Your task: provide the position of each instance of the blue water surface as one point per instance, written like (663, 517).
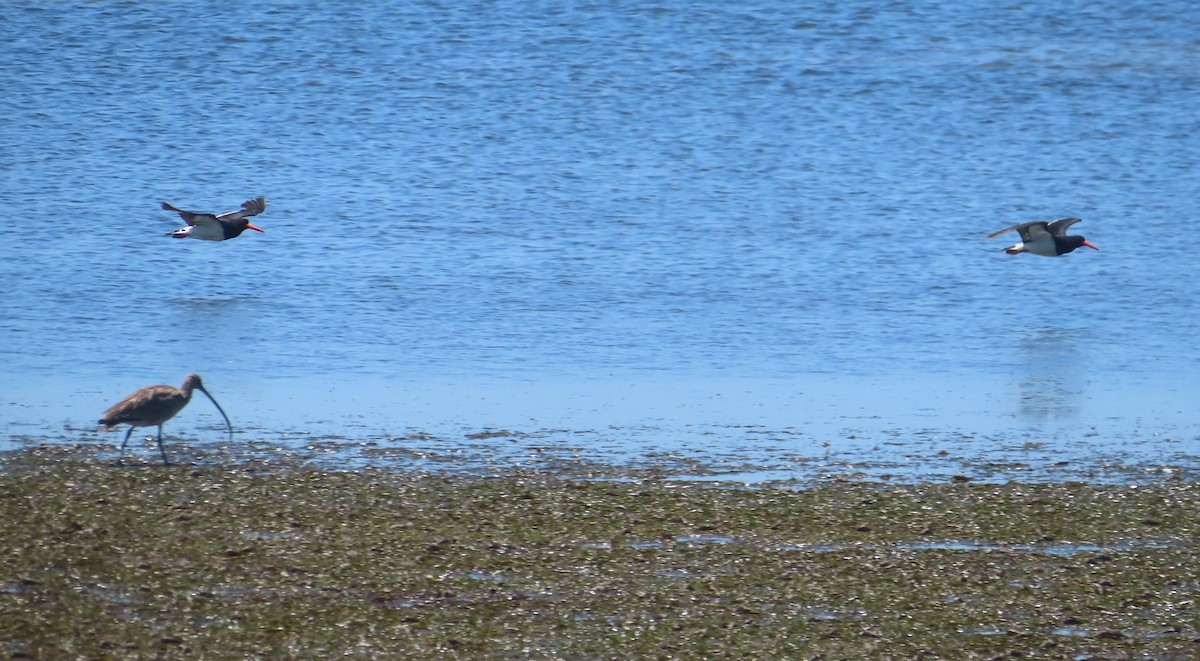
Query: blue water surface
(673, 221)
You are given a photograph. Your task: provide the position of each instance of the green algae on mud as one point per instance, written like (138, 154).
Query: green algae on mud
(255, 560)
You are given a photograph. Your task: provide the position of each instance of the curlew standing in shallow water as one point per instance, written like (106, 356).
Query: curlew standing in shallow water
(154, 405)
(214, 227)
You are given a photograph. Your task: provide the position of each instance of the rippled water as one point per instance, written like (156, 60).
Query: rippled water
(678, 216)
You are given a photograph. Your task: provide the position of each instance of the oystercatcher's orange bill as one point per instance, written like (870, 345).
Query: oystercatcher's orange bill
(259, 229)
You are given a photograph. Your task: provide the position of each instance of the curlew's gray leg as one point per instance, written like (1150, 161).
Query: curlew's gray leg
(160, 447)
(121, 454)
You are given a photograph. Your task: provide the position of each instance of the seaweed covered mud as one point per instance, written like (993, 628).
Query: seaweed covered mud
(289, 561)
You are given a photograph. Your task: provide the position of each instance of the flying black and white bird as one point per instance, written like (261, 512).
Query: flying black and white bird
(213, 227)
(1046, 238)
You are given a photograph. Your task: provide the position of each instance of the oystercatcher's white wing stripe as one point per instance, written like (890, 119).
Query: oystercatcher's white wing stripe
(251, 207)
(1059, 227)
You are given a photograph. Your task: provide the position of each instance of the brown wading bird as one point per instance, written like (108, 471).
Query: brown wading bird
(154, 405)
(211, 227)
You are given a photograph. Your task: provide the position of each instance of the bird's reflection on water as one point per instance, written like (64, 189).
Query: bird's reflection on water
(1052, 377)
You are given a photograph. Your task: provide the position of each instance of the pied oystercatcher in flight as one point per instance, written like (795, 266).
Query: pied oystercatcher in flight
(1045, 238)
(210, 227)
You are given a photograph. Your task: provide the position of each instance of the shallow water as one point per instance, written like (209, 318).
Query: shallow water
(674, 222)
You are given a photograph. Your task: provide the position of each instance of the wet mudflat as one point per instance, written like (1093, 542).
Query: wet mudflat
(278, 560)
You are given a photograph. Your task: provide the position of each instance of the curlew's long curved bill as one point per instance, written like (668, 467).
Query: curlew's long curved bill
(210, 398)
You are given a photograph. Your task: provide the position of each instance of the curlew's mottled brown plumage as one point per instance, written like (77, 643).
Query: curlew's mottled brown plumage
(154, 405)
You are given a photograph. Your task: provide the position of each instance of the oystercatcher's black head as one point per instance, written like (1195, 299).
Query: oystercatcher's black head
(1067, 244)
(233, 228)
